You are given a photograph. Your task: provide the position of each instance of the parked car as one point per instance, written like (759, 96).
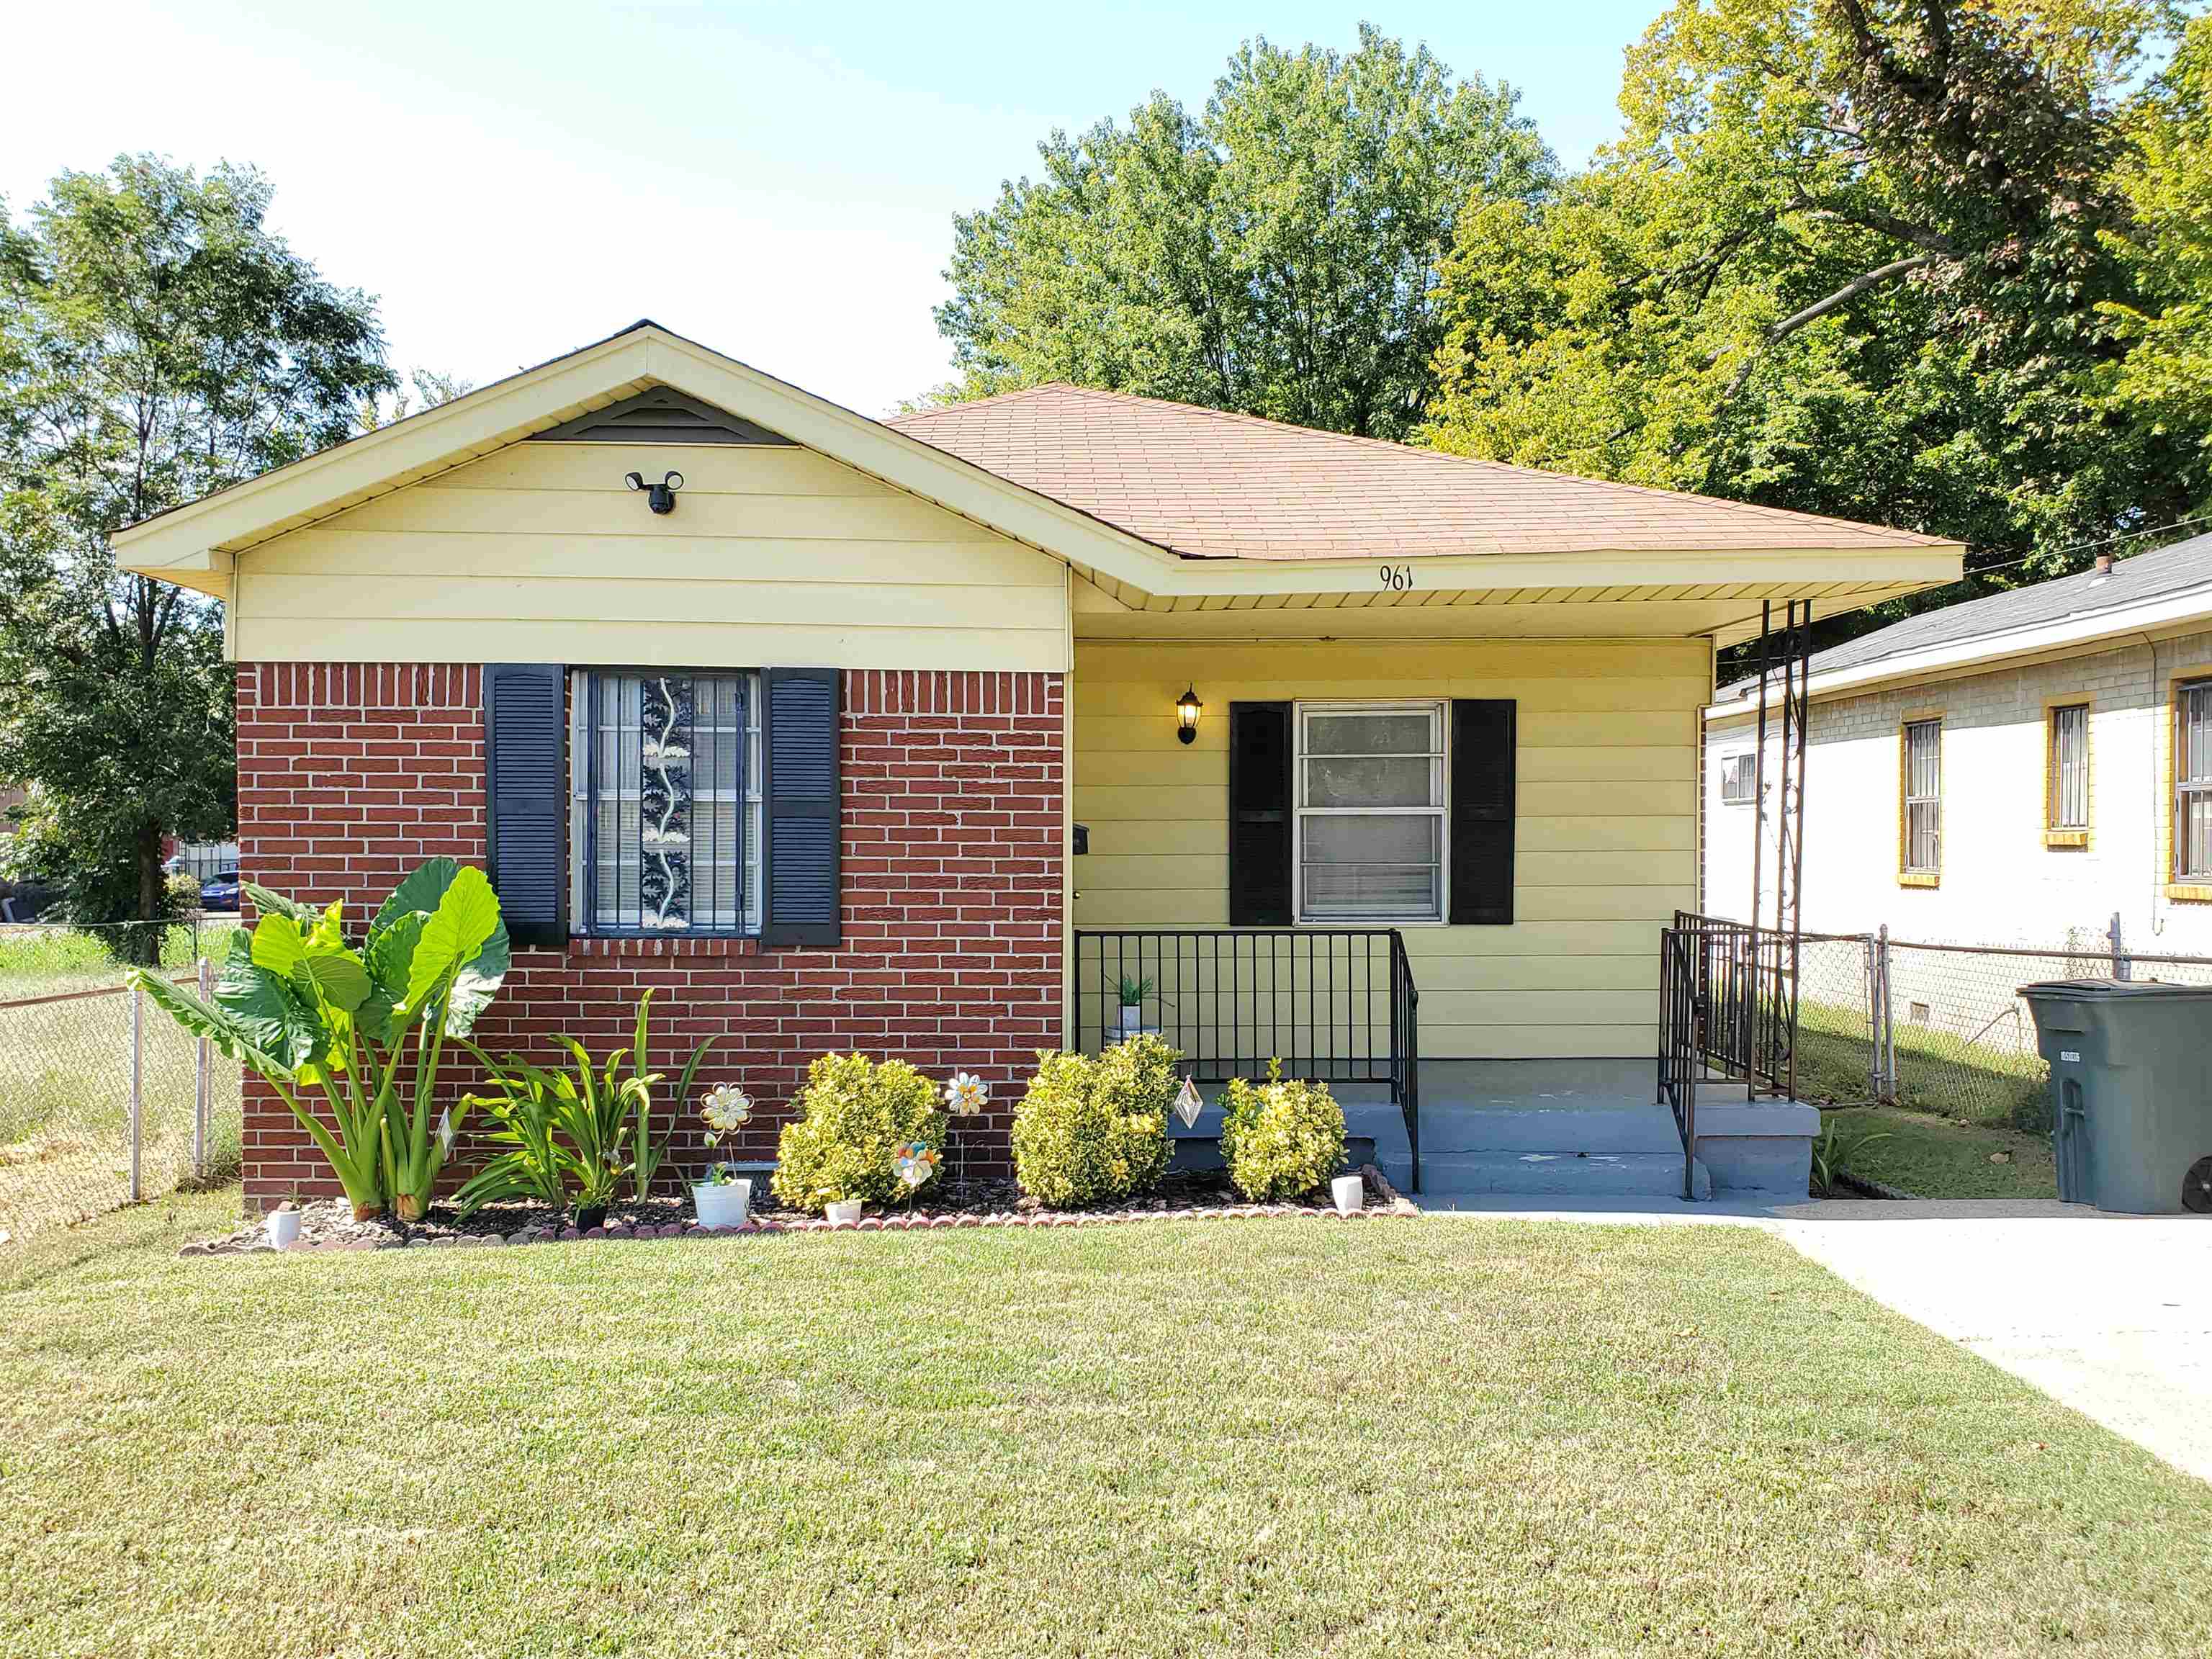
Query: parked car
(220, 892)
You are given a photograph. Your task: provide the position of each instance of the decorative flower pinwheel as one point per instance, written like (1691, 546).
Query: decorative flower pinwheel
(725, 1110)
(915, 1161)
(966, 1095)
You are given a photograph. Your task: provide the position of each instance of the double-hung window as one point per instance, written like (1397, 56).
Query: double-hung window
(664, 823)
(2193, 782)
(1371, 794)
(1923, 798)
(2067, 770)
(1739, 779)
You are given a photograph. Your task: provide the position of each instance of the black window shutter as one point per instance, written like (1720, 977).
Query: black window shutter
(799, 798)
(526, 799)
(1482, 765)
(1259, 814)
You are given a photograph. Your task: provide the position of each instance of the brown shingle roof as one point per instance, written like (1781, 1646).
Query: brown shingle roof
(1210, 484)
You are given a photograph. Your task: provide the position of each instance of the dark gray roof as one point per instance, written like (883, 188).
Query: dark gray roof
(2133, 580)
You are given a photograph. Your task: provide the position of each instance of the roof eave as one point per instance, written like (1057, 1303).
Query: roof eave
(2167, 613)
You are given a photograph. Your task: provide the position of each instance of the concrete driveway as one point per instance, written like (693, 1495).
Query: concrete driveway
(2112, 1314)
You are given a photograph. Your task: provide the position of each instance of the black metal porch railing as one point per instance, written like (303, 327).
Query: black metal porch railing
(1680, 1057)
(1336, 1004)
(1745, 982)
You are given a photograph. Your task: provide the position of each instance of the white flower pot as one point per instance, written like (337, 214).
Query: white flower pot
(283, 1229)
(1350, 1193)
(1132, 1018)
(724, 1206)
(845, 1213)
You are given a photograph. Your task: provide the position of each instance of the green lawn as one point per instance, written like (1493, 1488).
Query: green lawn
(1937, 1071)
(1388, 1437)
(1936, 1157)
(36, 961)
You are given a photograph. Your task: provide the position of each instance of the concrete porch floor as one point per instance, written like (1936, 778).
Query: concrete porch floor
(1582, 1129)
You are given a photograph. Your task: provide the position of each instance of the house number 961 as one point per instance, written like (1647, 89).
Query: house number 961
(1398, 578)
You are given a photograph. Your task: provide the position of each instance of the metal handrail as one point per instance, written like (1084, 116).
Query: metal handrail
(1744, 983)
(1335, 1004)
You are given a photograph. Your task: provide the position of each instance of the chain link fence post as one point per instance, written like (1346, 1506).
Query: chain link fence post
(203, 1078)
(1885, 1041)
(137, 1093)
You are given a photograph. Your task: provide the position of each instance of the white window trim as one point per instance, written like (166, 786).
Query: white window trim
(1747, 763)
(580, 805)
(1440, 707)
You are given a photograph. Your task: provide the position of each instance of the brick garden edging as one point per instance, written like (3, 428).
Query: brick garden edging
(1386, 1204)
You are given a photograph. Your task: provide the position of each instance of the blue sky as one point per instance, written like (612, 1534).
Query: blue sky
(776, 180)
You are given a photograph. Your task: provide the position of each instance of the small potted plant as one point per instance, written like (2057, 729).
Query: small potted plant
(284, 1226)
(723, 1198)
(1134, 992)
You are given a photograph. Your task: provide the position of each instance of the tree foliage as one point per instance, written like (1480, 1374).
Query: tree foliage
(1276, 253)
(1859, 257)
(2163, 383)
(157, 342)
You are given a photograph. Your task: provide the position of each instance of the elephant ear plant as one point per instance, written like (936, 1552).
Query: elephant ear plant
(364, 1028)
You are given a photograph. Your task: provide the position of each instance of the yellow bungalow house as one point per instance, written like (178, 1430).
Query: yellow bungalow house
(1382, 760)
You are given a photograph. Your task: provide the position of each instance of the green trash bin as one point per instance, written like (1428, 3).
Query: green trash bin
(2130, 1092)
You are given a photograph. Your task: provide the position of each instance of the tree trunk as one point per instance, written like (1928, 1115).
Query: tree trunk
(142, 944)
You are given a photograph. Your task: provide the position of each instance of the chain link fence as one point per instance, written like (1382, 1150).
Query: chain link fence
(104, 1100)
(1940, 1027)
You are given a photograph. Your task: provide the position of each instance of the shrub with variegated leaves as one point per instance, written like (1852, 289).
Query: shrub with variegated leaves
(1280, 1138)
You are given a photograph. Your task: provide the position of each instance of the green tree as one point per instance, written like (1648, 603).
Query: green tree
(2163, 384)
(157, 342)
(1277, 253)
(1851, 255)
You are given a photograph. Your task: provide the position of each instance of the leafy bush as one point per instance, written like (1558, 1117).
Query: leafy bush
(854, 1115)
(363, 1027)
(1281, 1139)
(1094, 1131)
(184, 891)
(564, 1137)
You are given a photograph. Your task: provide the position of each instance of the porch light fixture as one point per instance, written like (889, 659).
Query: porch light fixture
(1187, 711)
(660, 497)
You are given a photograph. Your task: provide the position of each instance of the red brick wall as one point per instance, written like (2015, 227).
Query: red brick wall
(352, 773)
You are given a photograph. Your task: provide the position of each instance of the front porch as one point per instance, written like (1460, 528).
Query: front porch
(1342, 1006)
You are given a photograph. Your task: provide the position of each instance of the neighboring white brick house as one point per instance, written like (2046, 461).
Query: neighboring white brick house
(2029, 850)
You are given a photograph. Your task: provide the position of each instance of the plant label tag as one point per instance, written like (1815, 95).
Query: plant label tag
(1188, 1105)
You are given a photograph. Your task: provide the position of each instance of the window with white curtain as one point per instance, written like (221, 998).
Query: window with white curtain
(2070, 766)
(2192, 775)
(1371, 803)
(665, 806)
(1923, 797)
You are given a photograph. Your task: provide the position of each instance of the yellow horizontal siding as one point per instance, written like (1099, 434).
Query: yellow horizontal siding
(1605, 837)
(538, 552)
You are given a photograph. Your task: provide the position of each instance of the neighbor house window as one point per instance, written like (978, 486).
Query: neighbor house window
(2068, 769)
(1923, 797)
(2192, 773)
(664, 829)
(1371, 809)
(1739, 779)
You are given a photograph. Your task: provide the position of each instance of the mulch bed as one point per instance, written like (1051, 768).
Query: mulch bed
(329, 1225)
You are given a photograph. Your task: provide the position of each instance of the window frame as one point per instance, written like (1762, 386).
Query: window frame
(2183, 882)
(2056, 831)
(1747, 766)
(1439, 711)
(1910, 874)
(750, 816)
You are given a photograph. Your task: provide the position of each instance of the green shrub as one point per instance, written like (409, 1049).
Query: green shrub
(1094, 1131)
(855, 1115)
(1281, 1140)
(183, 890)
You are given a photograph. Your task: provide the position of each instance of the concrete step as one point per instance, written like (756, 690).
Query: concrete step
(1622, 1130)
(1537, 1174)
